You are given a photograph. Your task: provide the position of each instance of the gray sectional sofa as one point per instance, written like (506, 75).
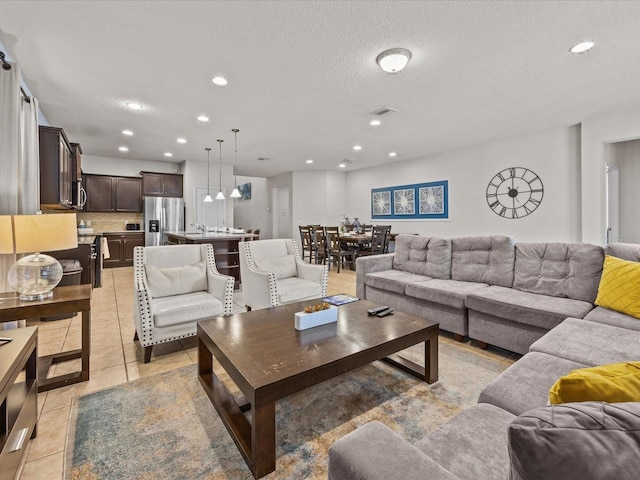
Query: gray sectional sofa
(512, 432)
(492, 289)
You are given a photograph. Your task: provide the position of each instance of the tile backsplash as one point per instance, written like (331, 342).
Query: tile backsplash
(109, 222)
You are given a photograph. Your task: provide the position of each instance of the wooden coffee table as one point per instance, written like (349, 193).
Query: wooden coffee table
(268, 359)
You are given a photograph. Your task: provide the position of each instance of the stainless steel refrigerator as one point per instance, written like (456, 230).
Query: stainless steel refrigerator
(162, 214)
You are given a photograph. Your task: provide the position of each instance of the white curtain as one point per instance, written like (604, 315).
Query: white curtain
(19, 157)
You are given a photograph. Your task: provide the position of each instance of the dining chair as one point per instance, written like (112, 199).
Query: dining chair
(337, 250)
(319, 240)
(307, 244)
(378, 239)
(256, 232)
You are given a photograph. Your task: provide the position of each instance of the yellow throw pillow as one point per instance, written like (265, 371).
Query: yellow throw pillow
(617, 382)
(619, 287)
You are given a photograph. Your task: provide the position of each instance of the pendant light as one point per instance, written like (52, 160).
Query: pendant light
(208, 198)
(236, 192)
(220, 195)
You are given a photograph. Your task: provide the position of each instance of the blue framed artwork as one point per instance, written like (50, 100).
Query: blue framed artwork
(411, 202)
(245, 191)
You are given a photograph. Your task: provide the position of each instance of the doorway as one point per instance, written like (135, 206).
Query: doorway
(281, 212)
(212, 214)
(623, 195)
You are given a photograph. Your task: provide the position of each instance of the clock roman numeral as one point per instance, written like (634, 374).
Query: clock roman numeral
(494, 204)
(503, 211)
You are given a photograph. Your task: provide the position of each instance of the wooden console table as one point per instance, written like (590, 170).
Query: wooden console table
(18, 397)
(69, 299)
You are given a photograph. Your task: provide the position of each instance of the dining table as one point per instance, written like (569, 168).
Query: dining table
(353, 238)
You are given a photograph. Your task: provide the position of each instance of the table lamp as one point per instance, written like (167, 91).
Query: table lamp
(35, 276)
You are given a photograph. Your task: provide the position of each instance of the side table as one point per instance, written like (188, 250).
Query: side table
(69, 299)
(18, 397)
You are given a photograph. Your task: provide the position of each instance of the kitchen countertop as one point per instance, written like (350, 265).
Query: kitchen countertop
(210, 235)
(120, 232)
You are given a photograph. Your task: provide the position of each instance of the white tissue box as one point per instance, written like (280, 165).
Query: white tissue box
(315, 319)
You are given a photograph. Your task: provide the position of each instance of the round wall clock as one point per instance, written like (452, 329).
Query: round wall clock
(514, 192)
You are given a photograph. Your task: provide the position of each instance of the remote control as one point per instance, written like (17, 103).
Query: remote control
(373, 311)
(384, 313)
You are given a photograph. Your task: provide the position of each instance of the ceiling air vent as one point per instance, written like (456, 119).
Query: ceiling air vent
(263, 159)
(349, 160)
(384, 111)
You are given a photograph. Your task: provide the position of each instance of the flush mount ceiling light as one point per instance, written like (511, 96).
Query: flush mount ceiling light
(123, 149)
(582, 47)
(235, 193)
(134, 106)
(207, 197)
(393, 60)
(203, 118)
(220, 195)
(128, 133)
(220, 81)
(181, 140)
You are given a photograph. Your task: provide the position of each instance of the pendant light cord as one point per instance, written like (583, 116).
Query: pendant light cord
(208, 149)
(220, 176)
(235, 161)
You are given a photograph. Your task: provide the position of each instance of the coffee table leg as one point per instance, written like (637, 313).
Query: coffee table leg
(263, 439)
(431, 360)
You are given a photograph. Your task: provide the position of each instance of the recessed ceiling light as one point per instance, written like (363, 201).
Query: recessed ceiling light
(309, 161)
(123, 149)
(582, 47)
(357, 147)
(134, 106)
(181, 140)
(394, 60)
(375, 123)
(220, 81)
(342, 165)
(203, 118)
(128, 133)
(168, 154)
(392, 154)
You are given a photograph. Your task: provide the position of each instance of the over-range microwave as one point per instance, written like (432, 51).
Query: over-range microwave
(79, 195)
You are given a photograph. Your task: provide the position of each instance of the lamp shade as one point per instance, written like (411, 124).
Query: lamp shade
(236, 193)
(44, 233)
(6, 234)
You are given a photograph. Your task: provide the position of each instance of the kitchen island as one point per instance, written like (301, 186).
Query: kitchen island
(225, 248)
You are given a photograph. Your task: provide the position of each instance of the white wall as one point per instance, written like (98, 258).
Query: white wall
(283, 180)
(255, 212)
(124, 166)
(597, 134)
(553, 154)
(195, 175)
(319, 198)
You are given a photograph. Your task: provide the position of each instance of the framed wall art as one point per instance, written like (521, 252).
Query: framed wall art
(245, 191)
(411, 202)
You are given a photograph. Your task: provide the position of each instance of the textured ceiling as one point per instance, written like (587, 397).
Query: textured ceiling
(303, 79)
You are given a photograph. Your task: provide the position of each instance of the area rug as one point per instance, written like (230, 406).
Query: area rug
(164, 427)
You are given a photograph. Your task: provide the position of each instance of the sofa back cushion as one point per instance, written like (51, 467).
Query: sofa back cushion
(483, 260)
(576, 441)
(625, 251)
(570, 270)
(429, 256)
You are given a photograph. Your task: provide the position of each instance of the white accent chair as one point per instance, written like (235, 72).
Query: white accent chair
(273, 273)
(175, 287)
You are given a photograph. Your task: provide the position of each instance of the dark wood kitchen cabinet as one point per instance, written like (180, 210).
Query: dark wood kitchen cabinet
(121, 247)
(161, 184)
(106, 193)
(56, 169)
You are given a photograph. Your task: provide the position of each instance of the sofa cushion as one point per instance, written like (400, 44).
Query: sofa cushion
(609, 317)
(294, 289)
(576, 441)
(570, 270)
(283, 266)
(445, 292)
(393, 280)
(430, 256)
(526, 383)
(616, 382)
(619, 287)
(626, 251)
(483, 259)
(590, 343)
(472, 445)
(191, 307)
(541, 311)
(167, 281)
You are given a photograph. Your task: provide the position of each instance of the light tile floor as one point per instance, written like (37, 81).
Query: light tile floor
(116, 359)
